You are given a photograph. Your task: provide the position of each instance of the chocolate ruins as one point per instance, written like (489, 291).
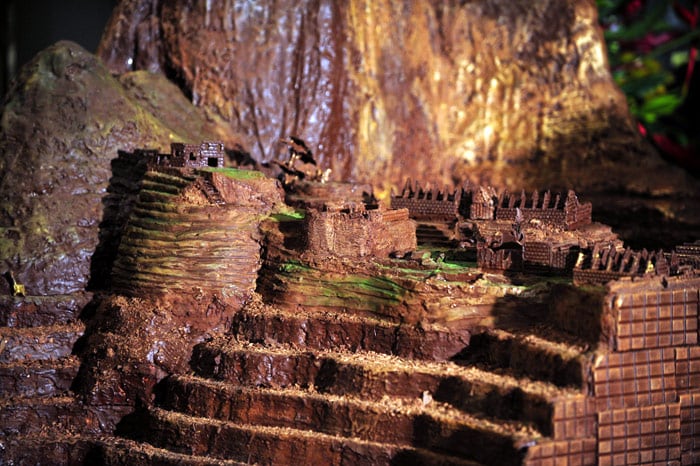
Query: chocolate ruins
(240, 319)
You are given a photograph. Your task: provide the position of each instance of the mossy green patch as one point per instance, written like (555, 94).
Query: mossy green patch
(294, 267)
(288, 215)
(236, 174)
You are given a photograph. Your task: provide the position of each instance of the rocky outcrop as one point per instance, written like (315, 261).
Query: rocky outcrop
(63, 120)
(515, 93)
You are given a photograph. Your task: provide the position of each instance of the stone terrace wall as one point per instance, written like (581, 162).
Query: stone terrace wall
(179, 240)
(360, 233)
(647, 388)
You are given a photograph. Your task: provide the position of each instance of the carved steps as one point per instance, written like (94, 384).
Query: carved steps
(37, 377)
(371, 376)
(375, 417)
(38, 343)
(280, 445)
(339, 330)
(114, 451)
(31, 415)
(524, 353)
(435, 234)
(34, 311)
(60, 448)
(212, 193)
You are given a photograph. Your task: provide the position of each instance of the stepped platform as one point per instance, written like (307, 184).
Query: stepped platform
(436, 234)
(221, 439)
(56, 448)
(372, 376)
(328, 330)
(41, 377)
(39, 343)
(557, 358)
(115, 451)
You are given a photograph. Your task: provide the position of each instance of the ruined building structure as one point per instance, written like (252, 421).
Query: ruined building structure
(472, 202)
(542, 232)
(605, 263)
(205, 154)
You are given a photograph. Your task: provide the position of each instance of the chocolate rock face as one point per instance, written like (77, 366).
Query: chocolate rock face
(516, 92)
(62, 123)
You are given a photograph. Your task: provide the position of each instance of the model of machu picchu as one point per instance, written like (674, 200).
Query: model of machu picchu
(244, 320)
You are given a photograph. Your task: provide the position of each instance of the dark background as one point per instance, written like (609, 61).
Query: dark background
(29, 26)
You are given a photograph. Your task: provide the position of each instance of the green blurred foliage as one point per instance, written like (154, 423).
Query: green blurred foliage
(649, 45)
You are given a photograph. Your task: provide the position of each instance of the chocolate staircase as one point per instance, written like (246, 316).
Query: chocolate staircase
(304, 388)
(42, 421)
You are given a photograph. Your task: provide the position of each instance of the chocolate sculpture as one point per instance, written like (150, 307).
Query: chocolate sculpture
(180, 311)
(240, 327)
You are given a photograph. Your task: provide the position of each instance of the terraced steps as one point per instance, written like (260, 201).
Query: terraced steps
(33, 415)
(435, 234)
(281, 445)
(367, 418)
(37, 311)
(553, 359)
(39, 377)
(38, 343)
(66, 449)
(338, 330)
(372, 376)
(115, 451)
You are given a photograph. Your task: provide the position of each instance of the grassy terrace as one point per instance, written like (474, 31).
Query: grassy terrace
(235, 173)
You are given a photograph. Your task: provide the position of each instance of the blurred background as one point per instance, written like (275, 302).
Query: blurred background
(29, 26)
(653, 52)
(652, 45)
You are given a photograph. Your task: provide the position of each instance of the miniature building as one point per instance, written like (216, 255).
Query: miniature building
(182, 155)
(481, 204)
(688, 254)
(569, 215)
(549, 255)
(428, 204)
(478, 203)
(206, 154)
(531, 256)
(353, 231)
(606, 263)
(507, 257)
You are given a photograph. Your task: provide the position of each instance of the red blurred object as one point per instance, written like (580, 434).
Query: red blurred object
(650, 41)
(633, 8)
(692, 19)
(685, 156)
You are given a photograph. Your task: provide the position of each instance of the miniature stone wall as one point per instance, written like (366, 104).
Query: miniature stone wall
(689, 254)
(532, 256)
(360, 233)
(605, 263)
(546, 255)
(205, 154)
(428, 204)
(571, 215)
